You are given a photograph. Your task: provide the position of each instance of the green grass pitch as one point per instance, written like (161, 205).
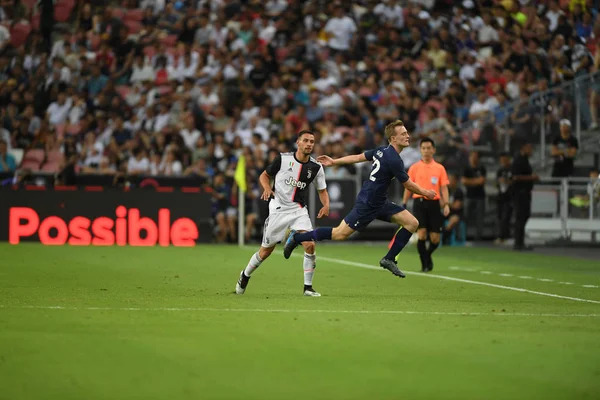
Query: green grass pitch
(162, 323)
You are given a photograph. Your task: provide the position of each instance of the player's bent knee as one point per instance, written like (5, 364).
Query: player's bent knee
(412, 224)
(422, 234)
(434, 238)
(309, 247)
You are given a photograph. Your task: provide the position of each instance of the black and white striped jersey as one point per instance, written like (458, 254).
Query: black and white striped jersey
(291, 181)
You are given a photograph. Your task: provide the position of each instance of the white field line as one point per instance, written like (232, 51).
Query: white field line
(458, 268)
(449, 278)
(293, 311)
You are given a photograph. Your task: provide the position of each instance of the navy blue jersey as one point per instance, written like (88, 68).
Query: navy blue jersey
(387, 165)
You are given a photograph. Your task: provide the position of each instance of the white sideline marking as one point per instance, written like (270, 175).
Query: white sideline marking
(455, 268)
(305, 311)
(449, 278)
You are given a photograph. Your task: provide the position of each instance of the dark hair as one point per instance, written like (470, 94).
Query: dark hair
(427, 140)
(305, 132)
(505, 154)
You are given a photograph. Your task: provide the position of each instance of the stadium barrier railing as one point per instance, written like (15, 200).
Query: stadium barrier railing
(567, 209)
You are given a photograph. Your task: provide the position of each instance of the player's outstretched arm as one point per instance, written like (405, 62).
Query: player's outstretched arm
(327, 161)
(413, 187)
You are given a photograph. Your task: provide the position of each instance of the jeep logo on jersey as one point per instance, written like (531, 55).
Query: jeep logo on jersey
(294, 183)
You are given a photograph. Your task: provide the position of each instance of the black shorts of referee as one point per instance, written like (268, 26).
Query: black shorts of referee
(429, 214)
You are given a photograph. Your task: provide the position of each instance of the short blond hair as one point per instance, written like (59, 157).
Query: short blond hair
(390, 129)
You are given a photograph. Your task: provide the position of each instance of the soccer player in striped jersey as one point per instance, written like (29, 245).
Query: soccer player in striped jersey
(292, 174)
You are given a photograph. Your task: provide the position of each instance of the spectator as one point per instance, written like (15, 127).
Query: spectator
(138, 164)
(200, 169)
(7, 161)
(91, 152)
(457, 199)
(224, 213)
(340, 29)
(523, 181)
(564, 150)
(170, 166)
(58, 111)
(142, 70)
(190, 134)
(504, 200)
(474, 179)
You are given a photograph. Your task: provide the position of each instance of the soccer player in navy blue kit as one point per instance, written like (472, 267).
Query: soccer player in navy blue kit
(372, 202)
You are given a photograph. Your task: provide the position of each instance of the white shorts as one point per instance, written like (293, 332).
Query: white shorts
(277, 224)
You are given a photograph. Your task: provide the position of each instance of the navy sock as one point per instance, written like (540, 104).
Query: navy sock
(317, 235)
(400, 241)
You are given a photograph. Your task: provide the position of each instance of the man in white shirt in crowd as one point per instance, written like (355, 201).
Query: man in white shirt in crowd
(483, 105)
(190, 134)
(331, 101)
(340, 29)
(470, 65)
(170, 166)
(276, 92)
(390, 11)
(487, 35)
(141, 70)
(325, 80)
(553, 13)
(162, 119)
(139, 163)
(58, 111)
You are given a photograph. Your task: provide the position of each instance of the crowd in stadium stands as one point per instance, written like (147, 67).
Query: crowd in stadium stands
(183, 88)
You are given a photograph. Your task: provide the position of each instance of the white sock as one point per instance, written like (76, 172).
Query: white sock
(309, 268)
(254, 263)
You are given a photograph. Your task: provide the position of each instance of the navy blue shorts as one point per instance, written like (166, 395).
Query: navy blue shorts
(362, 215)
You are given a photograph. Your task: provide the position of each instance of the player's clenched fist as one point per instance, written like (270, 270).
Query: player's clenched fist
(267, 194)
(430, 194)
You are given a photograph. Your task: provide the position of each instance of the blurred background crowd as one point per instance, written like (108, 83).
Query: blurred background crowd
(184, 88)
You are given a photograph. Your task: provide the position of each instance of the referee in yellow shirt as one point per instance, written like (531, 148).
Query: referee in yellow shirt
(432, 175)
